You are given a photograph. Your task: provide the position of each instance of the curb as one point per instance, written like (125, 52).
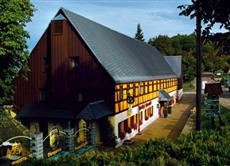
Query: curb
(190, 124)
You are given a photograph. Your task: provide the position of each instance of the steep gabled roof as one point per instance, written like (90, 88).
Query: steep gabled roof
(125, 59)
(175, 62)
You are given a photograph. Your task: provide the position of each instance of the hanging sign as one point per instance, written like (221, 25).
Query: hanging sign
(130, 99)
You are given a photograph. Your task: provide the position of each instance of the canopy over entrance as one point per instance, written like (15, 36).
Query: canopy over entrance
(94, 111)
(164, 96)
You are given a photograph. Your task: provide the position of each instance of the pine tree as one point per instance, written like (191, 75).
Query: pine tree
(139, 34)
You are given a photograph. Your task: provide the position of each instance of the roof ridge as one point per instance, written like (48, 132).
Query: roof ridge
(141, 42)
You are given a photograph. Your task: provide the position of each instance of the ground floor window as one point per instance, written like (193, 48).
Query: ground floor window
(148, 113)
(140, 118)
(127, 125)
(134, 122)
(121, 128)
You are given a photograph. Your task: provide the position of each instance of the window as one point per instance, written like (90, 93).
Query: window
(45, 64)
(41, 95)
(58, 26)
(140, 118)
(146, 114)
(137, 90)
(127, 90)
(74, 62)
(141, 90)
(146, 88)
(134, 91)
(124, 94)
(79, 97)
(133, 122)
(121, 93)
(150, 88)
(164, 84)
(126, 127)
(151, 111)
(121, 130)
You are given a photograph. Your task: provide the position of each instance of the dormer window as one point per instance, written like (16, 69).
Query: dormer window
(74, 62)
(58, 23)
(58, 26)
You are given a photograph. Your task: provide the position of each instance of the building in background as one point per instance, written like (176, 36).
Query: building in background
(175, 62)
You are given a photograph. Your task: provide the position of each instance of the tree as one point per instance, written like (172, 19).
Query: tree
(163, 43)
(139, 34)
(209, 12)
(213, 12)
(188, 65)
(14, 53)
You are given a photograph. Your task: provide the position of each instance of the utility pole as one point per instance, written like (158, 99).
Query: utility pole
(198, 65)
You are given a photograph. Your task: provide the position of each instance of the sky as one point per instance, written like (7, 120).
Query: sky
(157, 17)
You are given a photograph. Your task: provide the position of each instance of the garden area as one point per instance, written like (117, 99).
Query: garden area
(211, 146)
(207, 147)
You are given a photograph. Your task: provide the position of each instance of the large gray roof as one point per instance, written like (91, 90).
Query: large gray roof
(125, 59)
(175, 63)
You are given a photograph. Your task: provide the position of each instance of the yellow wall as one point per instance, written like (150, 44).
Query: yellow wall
(51, 125)
(98, 135)
(81, 136)
(33, 126)
(142, 92)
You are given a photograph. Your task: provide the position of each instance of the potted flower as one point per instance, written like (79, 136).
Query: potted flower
(165, 112)
(169, 109)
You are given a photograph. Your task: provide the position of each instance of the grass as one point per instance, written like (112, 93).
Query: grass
(10, 127)
(188, 86)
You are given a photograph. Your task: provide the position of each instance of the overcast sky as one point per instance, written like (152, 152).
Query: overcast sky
(155, 16)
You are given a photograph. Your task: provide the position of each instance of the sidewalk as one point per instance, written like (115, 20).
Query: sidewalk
(172, 126)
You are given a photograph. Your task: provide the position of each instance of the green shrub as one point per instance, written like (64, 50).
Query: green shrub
(207, 147)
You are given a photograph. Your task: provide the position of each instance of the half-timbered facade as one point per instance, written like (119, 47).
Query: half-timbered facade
(83, 70)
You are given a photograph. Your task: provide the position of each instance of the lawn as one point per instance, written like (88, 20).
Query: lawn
(188, 86)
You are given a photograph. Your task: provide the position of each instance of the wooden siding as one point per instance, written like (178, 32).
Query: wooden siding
(61, 83)
(27, 91)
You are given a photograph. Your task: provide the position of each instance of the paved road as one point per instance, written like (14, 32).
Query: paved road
(189, 92)
(172, 126)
